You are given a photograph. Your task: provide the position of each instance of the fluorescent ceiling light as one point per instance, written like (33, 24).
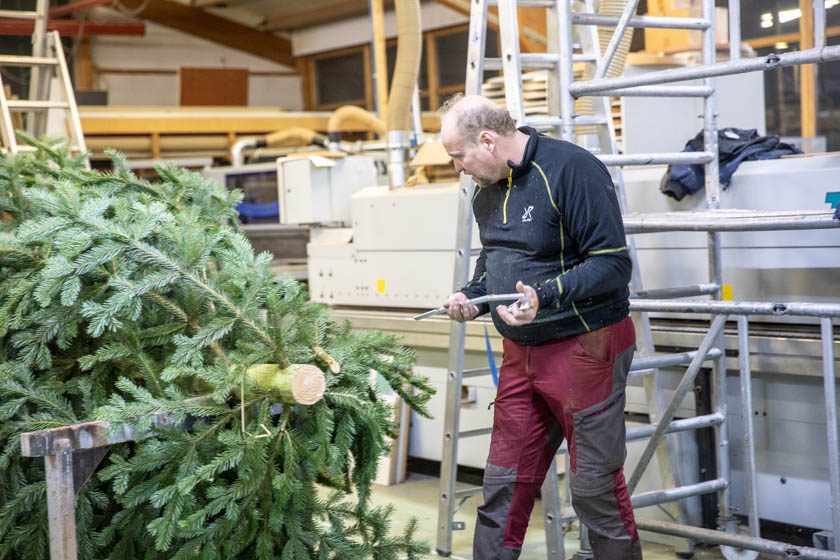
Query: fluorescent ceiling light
(781, 45)
(767, 20)
(789, 15)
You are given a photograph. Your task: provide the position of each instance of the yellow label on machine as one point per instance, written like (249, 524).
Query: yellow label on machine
(380, 285)
(727, 293)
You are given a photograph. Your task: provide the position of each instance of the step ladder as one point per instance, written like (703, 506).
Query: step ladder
(50, 88)
(573, 39)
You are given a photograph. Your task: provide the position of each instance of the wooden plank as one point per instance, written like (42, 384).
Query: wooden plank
(432, 71)
(380, 59)
(127, 121)
(762, 42)
(807, 77)
(72, 27)
(368, 82)
(219, 30)
(86, 435)
(309, 15)
(83, 62)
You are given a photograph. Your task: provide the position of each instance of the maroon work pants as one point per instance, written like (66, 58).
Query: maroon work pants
(572, 388)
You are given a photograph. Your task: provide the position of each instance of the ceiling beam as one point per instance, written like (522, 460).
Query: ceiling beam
(531, 23)
(308, 16)
(219, 30)
(73, 27)
(218, 3)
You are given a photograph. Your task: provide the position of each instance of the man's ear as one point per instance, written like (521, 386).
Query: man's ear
(487, 140)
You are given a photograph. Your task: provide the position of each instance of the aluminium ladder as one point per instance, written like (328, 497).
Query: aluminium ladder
(558, 62)
(47, 65)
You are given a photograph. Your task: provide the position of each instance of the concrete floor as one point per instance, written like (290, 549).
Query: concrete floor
(417, 497)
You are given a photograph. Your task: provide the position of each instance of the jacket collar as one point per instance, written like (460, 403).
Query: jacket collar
(530, 149)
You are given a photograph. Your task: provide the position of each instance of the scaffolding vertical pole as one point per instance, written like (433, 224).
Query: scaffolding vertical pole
(735, 29)
(457, 331)
(830, 388)
(567, 102)
(751, 496)
(819, 24)
(511, 63)
(712, 182)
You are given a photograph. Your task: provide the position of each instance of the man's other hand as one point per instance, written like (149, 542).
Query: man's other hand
(456, 309)
(524, 310)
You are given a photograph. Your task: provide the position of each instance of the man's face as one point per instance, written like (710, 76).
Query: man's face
(470, 157)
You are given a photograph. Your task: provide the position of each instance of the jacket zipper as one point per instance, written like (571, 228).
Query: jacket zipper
(507, 195)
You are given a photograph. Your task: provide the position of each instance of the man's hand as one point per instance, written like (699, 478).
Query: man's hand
(456, 309)
(521, 312)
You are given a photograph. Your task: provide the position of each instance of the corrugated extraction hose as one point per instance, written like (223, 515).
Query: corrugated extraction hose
(354, 114)
(406, 72)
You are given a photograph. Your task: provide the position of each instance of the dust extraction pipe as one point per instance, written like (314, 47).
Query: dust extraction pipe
(406, 72)
(296, 136)
(354, 114)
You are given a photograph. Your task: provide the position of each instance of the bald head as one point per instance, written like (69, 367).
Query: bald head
(468, 115)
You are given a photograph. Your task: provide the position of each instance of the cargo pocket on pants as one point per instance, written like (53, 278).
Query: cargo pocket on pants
(599, 445)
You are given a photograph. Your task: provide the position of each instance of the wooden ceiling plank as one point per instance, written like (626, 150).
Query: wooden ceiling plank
(317, 14)
(199, 23)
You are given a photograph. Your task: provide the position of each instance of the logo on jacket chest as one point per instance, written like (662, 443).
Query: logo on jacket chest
(527, 217)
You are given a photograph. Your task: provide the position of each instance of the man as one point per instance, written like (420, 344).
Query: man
(550, 228)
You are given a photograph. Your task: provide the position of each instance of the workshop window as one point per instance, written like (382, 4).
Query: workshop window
(340, 79)
(335, 78)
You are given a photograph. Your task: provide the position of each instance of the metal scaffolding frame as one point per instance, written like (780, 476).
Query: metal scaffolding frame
(713, 220)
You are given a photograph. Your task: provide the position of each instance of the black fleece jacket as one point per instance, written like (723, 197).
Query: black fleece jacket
(555, 224)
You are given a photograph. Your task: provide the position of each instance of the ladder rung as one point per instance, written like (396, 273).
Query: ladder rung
(584, 58)
(474, 252)
(547, 121)
(475, 433)
(19, 14)
(528, 61)
(28, 105)
(681, 158)
(475, 372)
(657, 91)
(13, 60)
(642, 21)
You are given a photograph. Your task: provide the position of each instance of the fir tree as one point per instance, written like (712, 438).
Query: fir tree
(122, 299)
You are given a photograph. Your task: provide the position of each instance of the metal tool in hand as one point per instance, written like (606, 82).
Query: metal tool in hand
(517, 297)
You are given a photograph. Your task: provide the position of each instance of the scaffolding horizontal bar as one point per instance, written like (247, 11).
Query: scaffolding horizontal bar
(86, 435)
(684, 425)
(475, 433)
(467, 492)
(735, 540)
(19, 14)
(528, 61)
(25, 61)
(478, 372)
(669, 360)
(659, 91)
(678, 292)
(729, 220)
(646, 499)
(793, 309)
(682, 158)
(739, 66)
(21, 105)
(699, 24)
(529, 3)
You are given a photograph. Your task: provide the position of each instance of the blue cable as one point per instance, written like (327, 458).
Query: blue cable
(491, 359)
